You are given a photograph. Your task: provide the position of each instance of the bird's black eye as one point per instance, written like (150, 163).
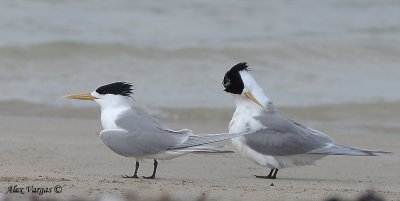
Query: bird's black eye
(117, 88)
(226, 82)
(233, 82)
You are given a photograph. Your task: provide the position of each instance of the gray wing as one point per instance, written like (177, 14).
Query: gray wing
(283, 137)
(141, 134)
(147, 135)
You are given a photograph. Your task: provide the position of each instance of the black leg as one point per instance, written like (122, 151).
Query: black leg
(276, 172)
(154, 171)
(136, 169)
(271, 174)
(135, 174)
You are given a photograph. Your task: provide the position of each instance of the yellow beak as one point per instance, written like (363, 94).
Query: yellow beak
(251, 97)
(81, 96)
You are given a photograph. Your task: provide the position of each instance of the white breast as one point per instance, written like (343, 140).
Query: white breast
(243, 120)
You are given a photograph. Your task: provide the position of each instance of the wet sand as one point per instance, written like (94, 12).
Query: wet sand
(46, 146)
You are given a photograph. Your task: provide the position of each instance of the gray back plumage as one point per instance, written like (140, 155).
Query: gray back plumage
(149, 135)
(285, 137)
(140, 134)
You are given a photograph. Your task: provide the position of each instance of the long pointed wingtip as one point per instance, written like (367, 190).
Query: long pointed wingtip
(382, 153)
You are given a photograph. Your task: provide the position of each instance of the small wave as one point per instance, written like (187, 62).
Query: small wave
(72, 49)
(68, 49)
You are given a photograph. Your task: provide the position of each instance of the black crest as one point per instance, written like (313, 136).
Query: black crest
(117, 88)
(233, 83)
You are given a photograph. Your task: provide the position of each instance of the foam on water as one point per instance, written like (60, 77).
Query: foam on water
(302, 52)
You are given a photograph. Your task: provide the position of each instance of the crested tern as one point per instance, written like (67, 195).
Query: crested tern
(134, 134)
(277, 142)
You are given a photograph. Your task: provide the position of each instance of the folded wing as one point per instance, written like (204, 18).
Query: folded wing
(140, 134)
(285, 137)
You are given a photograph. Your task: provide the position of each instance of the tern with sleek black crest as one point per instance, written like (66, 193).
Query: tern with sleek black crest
(277, 142)
(133, 134)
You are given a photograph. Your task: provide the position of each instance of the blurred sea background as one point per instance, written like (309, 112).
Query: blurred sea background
(308, 52)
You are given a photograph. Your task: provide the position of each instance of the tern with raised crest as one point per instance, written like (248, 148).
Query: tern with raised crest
(134, 134)
(276, 142)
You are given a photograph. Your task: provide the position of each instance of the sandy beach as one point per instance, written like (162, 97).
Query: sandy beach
(45, 146)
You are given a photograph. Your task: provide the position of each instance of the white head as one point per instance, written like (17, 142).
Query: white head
(112, 95)
(238, 81)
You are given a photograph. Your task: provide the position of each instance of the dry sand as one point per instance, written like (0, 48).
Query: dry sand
(43, 147)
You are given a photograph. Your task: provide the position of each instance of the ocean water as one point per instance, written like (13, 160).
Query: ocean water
(176, 53)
